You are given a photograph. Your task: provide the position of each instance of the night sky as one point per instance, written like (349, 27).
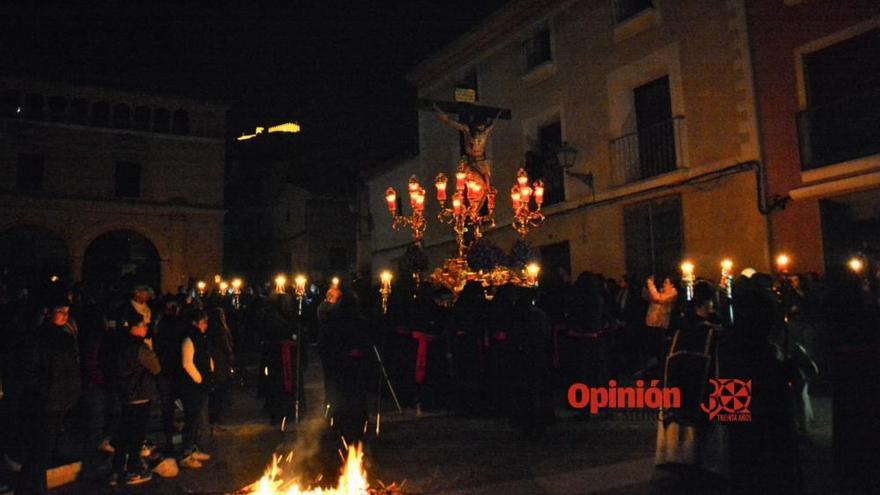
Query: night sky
(336, 67)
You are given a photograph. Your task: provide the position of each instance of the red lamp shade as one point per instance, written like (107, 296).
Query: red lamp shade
(440, 184)
(539, 192)
(391, 198)
(522, 178)
(515, 197)
(460, 176)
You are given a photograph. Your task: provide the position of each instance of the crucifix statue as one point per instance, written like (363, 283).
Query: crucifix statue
(475, 123)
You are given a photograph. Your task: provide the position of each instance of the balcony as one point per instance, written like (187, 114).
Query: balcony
(839, 131)
(648, 152)
(622, 10)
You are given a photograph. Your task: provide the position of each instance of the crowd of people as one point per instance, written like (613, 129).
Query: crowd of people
(496, 352)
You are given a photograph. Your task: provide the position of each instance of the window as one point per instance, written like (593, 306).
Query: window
(29, 172)
(10, 102)
(121, 116)
(128, 179)
(181, 122)
(653, 237)
(542, 163)
(655, 128)
(57, 109)
(625, 9)
(843, 91)
(79, 111)
(161, 120)
(33, 106)
(537, 50)
(142, 118)
(101, 114)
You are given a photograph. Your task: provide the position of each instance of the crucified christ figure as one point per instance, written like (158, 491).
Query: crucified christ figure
(475, 136)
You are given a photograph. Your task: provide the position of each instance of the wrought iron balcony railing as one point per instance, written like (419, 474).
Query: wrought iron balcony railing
(650, 151)
(839, 131)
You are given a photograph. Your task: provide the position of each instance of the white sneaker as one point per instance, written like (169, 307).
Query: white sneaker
(190, 462)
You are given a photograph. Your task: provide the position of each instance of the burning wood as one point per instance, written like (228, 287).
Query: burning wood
(352, 480)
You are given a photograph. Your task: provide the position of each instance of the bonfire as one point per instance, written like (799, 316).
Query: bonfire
(352, 480)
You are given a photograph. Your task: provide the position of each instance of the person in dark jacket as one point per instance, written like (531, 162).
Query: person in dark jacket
(222, 350)
(531, 405)
(198, 366)
(166, 341)
(348, 346)
(136, 366)
(51, 387)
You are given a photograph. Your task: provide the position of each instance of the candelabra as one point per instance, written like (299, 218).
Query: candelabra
(416, 221)
(524, 217)
(471, 193)
(300, 291)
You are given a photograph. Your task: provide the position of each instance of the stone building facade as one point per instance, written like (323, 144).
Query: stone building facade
(657, 99)
(817, 79)
(97, 183)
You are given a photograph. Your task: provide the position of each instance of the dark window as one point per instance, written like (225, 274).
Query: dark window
(57, 108)
(555, 258)
(101, 114)
(33, 106)
(536, 50)
(843, 91)
(29, 171)
(543, 163)
(79, 111)
(161, 120)
(181, 122)
(625, 9)
(10, 102)
(128, 180)
(653, 237)
(655, 128)
(142, 118)
(121, 116)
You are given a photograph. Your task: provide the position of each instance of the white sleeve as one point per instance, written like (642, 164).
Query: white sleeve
(187, 350)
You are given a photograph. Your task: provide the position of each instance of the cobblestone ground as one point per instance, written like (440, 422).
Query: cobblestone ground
(443, 454)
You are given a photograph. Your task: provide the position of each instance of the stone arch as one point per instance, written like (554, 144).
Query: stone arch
(31, 254)
(120, 258)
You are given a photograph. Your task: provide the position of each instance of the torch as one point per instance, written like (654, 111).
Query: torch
(236, 293)
(687, 276)
(385, 289)
(223, 287)
(782, 262)
(334, 283)
(201, 287)
(280, 283)
(727, 280)
(856, 265)
(532, 272)
(300, 290)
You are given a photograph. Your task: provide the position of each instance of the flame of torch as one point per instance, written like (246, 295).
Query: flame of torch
(280, 283)
(856, 265)
(300, 288)
(532, 271)
(782, 262)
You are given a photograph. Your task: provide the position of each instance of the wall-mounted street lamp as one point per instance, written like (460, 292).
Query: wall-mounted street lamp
(566, 155)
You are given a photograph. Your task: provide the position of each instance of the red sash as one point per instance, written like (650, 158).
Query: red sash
(286, 357)
(499, 336)
(422, 354)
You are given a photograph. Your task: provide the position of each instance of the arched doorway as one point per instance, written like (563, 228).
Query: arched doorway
(30, 256)
(120, 259)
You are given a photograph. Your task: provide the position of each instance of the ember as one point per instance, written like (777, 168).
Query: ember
(352, 480)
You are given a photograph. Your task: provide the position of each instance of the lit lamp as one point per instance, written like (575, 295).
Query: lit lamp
(334, 283)
(280, 283)
(391, 199)
(300, 290)
(54, 279)
(688, 277)
(440, 183)
(385, 289)
(236, 293)
(532, 271)
(524, 217)
(460, 177)
(727, 281)
(201, 285)
(782, 262)
(856, 264)
(416, 221)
